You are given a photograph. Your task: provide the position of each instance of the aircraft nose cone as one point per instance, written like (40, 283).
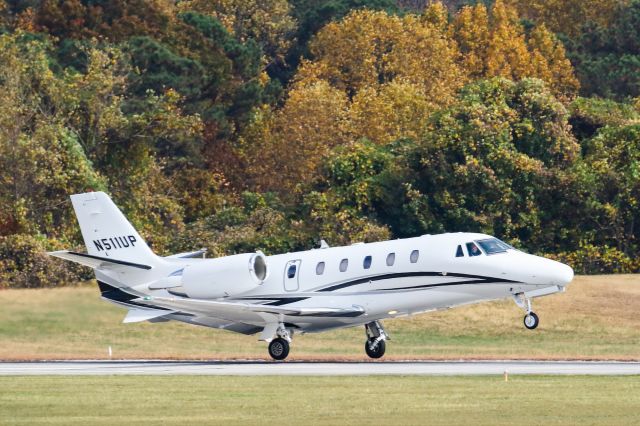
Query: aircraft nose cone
(563, 274)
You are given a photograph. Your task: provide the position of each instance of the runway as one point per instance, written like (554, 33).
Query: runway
(267, 368)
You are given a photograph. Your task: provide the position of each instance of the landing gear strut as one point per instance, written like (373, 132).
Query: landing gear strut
(531, 320)
(375, 345)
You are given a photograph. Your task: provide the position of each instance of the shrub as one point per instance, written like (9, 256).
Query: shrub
(25, 264)
(590, 259)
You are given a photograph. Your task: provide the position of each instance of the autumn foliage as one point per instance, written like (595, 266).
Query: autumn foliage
(244, 125)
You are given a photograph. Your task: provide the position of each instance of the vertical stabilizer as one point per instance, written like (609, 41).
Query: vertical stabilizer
(106, 232)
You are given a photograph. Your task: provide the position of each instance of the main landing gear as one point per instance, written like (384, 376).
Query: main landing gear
(279, 345)
(531, 320)
(279, 338)
(375, 345)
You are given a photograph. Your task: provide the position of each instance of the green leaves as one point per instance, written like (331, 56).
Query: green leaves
(606, 55)
(394, 124)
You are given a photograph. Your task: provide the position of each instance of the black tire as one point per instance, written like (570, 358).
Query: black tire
(279, 349)
(378, 351)
(531, 320)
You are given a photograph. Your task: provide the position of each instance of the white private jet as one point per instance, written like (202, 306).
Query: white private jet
(308, 291)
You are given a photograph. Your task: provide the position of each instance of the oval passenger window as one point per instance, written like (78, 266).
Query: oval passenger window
(320, 268)
(414, 256)
(391, 259)
(367, 262)
(344, 264)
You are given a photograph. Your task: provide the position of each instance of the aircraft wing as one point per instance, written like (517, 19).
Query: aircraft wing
(217, 308)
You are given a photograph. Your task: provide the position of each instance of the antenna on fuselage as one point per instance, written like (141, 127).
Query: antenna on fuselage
(323, 244)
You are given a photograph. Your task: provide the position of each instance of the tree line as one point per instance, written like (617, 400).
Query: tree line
(239, 125)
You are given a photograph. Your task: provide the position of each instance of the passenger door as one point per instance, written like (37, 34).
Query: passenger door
(291, 274)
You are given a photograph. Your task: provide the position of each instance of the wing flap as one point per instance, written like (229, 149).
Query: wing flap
(139, 315)
(214, 307)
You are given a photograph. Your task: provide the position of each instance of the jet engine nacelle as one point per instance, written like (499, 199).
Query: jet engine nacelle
(225, 276)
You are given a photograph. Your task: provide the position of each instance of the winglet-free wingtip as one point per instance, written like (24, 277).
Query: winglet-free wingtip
(58, 253)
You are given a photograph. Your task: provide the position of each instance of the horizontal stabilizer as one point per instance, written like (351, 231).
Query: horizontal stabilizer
(212, 307)
(138, 315)
(95, 262)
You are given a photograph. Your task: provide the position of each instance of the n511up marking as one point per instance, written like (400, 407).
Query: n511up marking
(115, 243)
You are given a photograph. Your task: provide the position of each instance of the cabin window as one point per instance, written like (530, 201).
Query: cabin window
(291, 272)
(320, 268)
(459, 252)
(367, 262)
(414, 256)
(473, 250)
(344, 264)
(391, 259)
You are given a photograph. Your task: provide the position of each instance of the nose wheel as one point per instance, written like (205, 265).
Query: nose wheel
(531, 320)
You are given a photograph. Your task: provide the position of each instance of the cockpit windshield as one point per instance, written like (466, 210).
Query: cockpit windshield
(493, 246)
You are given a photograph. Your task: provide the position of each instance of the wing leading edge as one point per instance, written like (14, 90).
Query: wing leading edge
(214, 308)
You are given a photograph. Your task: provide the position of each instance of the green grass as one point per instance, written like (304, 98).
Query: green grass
(320, 400)
(595, 319)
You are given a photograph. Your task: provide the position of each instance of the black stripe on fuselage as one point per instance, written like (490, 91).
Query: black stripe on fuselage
(277, 301)
(286, 301)
(476, 279)
(414, 287)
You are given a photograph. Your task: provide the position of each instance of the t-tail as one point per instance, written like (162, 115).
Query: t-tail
(108, 235)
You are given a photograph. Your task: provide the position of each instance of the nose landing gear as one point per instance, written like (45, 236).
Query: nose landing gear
(375, 345)
(531, 320)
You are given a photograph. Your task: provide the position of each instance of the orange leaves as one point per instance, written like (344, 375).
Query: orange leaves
(367, 49)
(568, 16)
(378, 76)
(550, 63)
(397, 109)
(493, 43)
(470, 29)
(295, 139)
(507, 54)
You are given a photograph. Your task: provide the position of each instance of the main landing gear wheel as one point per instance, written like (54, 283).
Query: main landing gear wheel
(376, 336)
(531, 320)
(279, 349)
(375, 350)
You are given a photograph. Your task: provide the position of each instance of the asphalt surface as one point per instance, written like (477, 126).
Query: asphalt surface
(295, 368)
